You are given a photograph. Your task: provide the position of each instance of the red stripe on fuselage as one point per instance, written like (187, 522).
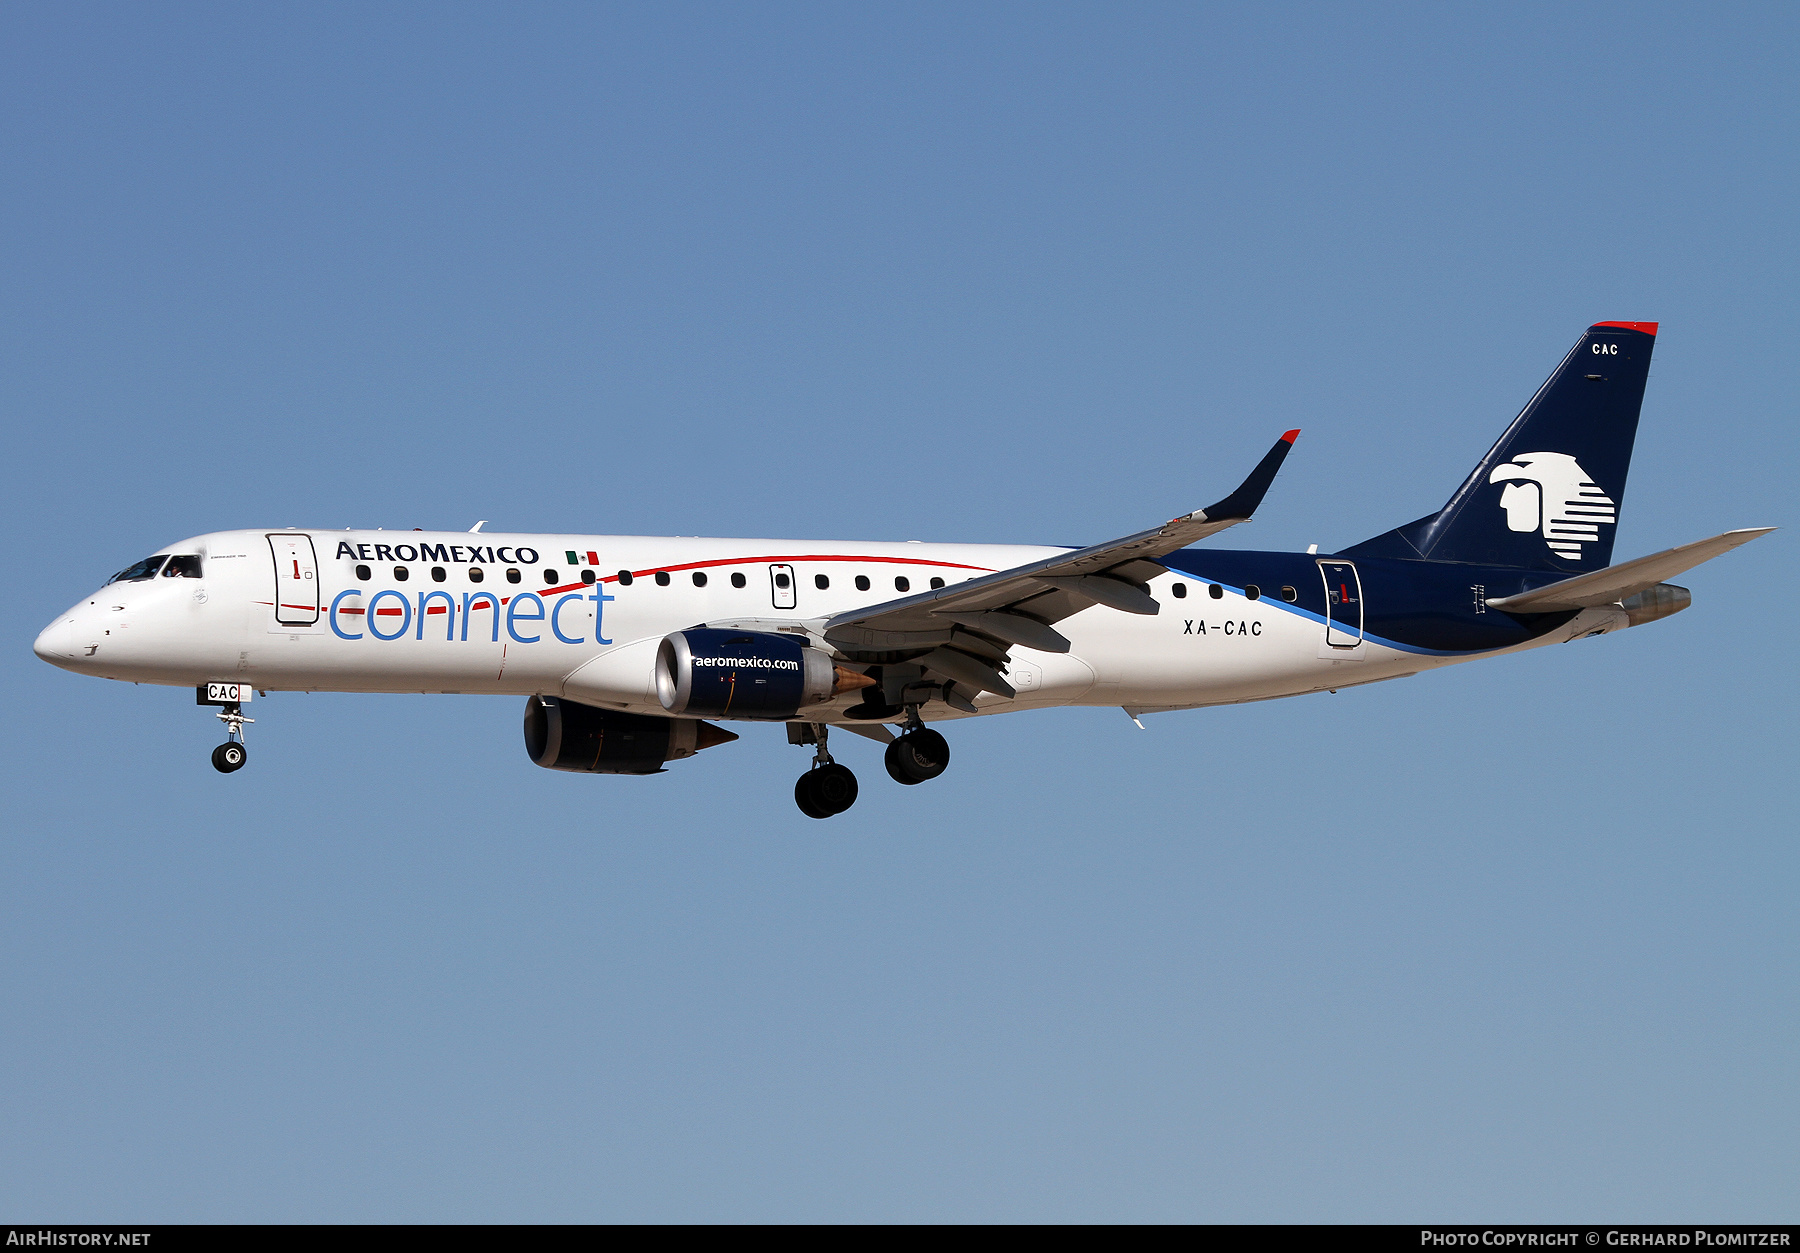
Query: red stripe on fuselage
(482, 603)
(756, 561)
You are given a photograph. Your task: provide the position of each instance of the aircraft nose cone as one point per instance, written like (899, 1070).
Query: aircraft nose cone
(56, 642)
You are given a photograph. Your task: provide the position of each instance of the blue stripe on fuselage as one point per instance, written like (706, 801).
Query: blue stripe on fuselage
(1429, 608)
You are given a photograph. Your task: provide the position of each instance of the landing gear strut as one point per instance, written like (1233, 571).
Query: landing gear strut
(918, 755)
(231, 755)
(827, 788)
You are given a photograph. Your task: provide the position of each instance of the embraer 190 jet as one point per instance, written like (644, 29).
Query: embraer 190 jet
(630, 650)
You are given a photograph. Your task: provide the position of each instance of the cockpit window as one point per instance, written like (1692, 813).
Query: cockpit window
(145, 569)
(182, 567)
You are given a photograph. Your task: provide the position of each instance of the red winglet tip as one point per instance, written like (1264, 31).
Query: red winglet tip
(1648, 328)
(1291, 436)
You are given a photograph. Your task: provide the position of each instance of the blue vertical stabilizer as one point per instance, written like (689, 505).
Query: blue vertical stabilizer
(1547, 496)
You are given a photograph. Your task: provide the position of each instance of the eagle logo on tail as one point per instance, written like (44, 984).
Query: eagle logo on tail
(1549, 491)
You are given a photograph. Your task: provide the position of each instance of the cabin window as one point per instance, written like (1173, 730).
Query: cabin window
(662, 578)
(699, 578)
(476, 574)
(738, 580)
(513, 576)
(624, 578)
(400, 574)
(862, 582)
(937, 583)
(1178, 591)
(781, 579)
(145, 569)
(1289, 594)
(1252, 592)
(821, 582)
(902, 584)
(587, 576)
(1216, 591)
(437, 574)
(364, 574)
(187, 567)
(550, 577)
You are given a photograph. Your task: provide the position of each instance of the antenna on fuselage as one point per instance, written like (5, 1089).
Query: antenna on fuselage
(478, 526)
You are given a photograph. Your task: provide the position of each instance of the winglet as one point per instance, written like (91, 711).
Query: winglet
(1243, 502)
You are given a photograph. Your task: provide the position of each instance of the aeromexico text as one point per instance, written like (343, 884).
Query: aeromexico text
(435, 552)
(747, 663)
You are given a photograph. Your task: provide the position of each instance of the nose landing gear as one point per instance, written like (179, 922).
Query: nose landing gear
(827, 788)
(230, 698)
(231, 755)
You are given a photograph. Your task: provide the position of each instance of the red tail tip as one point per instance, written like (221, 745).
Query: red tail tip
(1290, 437)
(1648, 328)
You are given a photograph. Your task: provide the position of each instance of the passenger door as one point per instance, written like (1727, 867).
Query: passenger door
(1343, 604)
(296, 579)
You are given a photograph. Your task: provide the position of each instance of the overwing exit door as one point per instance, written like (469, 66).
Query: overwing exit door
(781, 586)
(296, 579)
(1343, 604)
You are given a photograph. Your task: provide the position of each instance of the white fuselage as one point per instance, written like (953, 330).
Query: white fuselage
(330, 611)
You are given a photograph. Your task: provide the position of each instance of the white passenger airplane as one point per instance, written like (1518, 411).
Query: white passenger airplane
(624, 645)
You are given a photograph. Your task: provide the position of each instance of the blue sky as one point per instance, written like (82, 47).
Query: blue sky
(1512, 941)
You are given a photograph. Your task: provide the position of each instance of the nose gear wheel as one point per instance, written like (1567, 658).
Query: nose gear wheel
(231, 755)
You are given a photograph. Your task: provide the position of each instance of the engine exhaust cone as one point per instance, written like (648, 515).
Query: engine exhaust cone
(848, 681)
(706, 735)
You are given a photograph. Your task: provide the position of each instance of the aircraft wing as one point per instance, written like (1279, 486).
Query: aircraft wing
(969, 627)
(1615, 583)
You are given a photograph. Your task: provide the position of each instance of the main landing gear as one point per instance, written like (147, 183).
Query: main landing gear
(829, 788)
(918, 755)
(231, 755)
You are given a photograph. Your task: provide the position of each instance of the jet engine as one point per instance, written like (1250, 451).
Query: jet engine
(566, 735)
(746, 674)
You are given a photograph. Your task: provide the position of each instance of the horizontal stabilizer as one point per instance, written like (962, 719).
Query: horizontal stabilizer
(1615, 583)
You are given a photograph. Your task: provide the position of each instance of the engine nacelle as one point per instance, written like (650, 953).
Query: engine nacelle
(746, 674)
(1655, 602)
(566, 735)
